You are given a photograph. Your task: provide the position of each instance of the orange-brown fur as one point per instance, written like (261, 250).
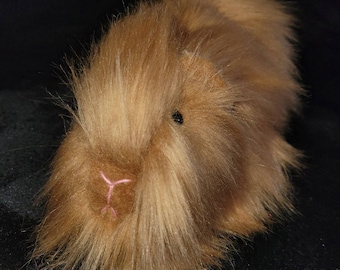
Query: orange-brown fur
(226, 66)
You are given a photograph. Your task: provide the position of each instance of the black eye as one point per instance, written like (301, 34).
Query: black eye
(178, 117)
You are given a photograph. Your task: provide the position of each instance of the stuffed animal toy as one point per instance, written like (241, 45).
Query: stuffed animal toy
(176, 145)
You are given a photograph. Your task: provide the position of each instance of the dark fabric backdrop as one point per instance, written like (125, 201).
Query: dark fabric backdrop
(34, 37)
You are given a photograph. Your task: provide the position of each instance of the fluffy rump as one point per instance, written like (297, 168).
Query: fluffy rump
(226, 68)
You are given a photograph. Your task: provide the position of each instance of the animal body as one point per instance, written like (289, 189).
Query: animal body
(176, 144)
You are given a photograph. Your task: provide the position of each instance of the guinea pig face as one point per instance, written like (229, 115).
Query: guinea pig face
(173, 135)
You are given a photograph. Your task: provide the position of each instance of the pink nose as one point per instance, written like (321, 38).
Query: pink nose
(111, 185)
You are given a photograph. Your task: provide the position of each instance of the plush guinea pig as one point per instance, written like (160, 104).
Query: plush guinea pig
(176, 142)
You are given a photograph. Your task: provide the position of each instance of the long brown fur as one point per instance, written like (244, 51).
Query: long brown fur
(226, 67)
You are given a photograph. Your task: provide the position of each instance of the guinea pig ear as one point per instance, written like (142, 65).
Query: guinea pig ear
(193, 62)
(189, 57)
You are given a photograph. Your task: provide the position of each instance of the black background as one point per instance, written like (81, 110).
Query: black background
(35, 36)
